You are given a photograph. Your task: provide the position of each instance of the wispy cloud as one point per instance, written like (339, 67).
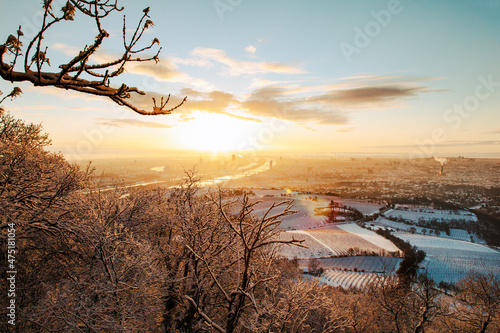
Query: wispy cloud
(216, 101)
(250, 49)
(213, 101)
(331, 104)
(274, 102)
(127, 123)
(299, 103)
(345, 129)
(67, 49)
(165, 70)
(371, 97)
(493, 131)
(205, 57)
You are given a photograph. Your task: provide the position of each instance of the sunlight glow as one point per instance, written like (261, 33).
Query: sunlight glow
(212, 132)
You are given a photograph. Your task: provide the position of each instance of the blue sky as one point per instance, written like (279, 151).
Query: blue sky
(412, 78)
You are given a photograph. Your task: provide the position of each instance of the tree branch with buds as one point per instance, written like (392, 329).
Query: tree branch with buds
(81, 73)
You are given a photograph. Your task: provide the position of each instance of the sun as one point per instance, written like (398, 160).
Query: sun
(212, 132)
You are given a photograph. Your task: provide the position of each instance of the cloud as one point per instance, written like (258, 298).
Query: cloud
(204, 57)
(258, 83)
(345, 129)
(67, 49)
(127, 123)
(250, 49)
(372, 97)
(493, 131)
(302, 104)
(166, 70)
(163, 70)
(215, 101)
(331, 104)
(274, 102)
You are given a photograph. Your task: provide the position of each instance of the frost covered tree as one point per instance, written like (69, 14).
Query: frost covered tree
(477, 304)
(35, 195)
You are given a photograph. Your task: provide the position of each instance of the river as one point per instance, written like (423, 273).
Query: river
(211, 182)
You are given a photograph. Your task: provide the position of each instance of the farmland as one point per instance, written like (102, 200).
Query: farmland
(427, 214)
(357, 272)
(371, 264)
(450, 260)
(458, 234)
(369, 236)
(350, 280)
(353, 256)
(334, 241)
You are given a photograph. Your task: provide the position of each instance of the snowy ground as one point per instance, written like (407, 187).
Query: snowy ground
(447, 259)
(429, 214)
(370, 236)
(371, 264)
(458, 234)
(303, 219)
(450, 260)
(351, 280)
(338, 240)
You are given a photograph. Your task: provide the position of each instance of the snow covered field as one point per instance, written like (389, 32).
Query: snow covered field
(303, 219)
(341, 241)
(350, 280)
(370, 264)
(370, 236)
(333, 240)
(363, 207)
(458, 234)
(314, 248)
(426, 214)
(450, 260)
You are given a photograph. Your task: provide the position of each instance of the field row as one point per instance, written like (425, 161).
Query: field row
(458, 234)
(370, 236)
(369, 264)
(450, 260)
(313, 248)
(438, 215)
(350, 280)
(334, 241)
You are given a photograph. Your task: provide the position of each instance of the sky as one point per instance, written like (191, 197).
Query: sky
(407, 78)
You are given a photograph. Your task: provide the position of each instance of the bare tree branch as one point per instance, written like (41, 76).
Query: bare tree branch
(69, 76)
(207, 318)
